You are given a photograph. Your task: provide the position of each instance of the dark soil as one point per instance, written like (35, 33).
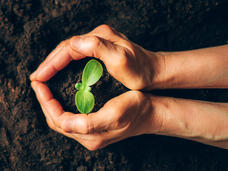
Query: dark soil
(30, 29)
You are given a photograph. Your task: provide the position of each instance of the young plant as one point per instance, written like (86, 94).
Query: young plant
(84, 99)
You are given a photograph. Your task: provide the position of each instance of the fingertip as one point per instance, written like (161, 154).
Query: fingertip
(33, 85)
(32, 77)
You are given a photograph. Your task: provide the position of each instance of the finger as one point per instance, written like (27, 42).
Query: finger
(46, 100)
(106, 119)
(47, 68)
(50, 56)
(53, 109)
(106, 32)
(53, 53)
(49, 119)
(64, 52)
(95, 46)
(90, 141)
(82, 123)
(51, 124)
(55, 62)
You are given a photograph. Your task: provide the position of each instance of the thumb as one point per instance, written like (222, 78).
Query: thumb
(94, 46)
(84, 123)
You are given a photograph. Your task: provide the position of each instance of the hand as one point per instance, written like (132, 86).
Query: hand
(129, 63)
(135, 113)
(124, 116)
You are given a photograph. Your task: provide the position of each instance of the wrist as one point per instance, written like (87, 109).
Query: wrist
(158, 75)
(156, 115)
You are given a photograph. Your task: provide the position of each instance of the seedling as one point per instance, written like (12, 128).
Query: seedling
(84, 99)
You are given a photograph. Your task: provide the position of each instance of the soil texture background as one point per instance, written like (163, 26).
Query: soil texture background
(30, 29)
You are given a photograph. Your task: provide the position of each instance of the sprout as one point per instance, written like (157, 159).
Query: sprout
(84, 99)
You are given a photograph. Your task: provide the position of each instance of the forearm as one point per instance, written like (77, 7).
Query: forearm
(203, 68)
(204, 122)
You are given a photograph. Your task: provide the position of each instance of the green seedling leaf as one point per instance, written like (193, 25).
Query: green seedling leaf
(78, 86)
(92, 72)
(84, 99)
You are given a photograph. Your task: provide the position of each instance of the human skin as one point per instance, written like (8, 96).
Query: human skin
(135, 112)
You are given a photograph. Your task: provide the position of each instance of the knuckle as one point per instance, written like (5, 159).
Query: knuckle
(91, 147)
(64, 44)
(105, 28)
(84, 125)
(61, 43)
(94, 145)
(65, 126)
(95, 41)
(90, 125)
(86, 128)
(109, 31)
(80, 125)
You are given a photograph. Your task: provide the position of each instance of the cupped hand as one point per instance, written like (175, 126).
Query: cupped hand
(127, 115)
(129, 63)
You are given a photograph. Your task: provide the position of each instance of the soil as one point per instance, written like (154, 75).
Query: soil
(29, 30)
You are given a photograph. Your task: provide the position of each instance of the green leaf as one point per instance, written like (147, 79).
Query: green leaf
(78, 86)
(92, 72)
(84, 101)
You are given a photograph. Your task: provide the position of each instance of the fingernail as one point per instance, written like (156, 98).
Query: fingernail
(32, 76)
(76, 42)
